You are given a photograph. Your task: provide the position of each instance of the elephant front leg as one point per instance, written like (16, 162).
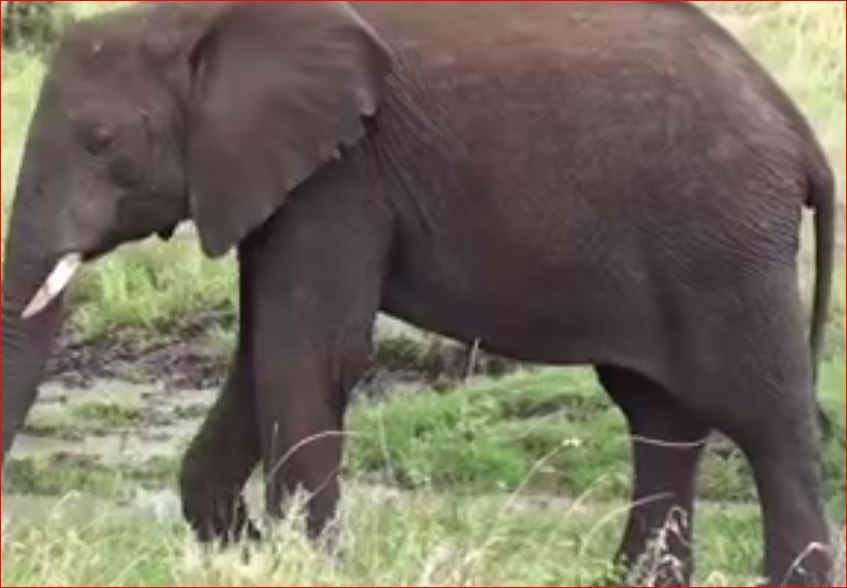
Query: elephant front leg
(316, 292)
(302, 446)
(219, 462)
(303, 385)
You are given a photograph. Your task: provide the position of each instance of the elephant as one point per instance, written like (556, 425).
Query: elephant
(615, 185)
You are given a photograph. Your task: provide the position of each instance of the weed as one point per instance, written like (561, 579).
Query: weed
(108, 414)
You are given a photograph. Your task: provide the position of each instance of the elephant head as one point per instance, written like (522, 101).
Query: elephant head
(159, 114)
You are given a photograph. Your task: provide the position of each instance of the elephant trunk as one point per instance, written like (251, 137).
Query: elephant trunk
(27, 342)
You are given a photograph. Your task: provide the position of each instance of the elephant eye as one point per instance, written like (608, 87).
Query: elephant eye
(98, 139)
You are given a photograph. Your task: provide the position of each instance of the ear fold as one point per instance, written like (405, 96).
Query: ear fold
(277, 88)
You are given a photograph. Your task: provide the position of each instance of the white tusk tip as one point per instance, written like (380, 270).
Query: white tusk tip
(54, 285)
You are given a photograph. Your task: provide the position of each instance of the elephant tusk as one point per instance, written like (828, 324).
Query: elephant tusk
(54, 285)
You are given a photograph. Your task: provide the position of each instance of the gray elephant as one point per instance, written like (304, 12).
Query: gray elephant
(612, 184)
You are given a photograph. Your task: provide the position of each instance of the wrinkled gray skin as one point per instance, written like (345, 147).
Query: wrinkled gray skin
(609, 184)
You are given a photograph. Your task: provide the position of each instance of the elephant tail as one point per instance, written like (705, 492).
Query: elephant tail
(822, 201)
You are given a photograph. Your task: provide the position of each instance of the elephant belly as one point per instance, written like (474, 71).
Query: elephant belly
(558, 315)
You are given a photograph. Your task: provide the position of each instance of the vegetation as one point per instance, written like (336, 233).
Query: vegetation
(551, 431)
(65, 474)
(32, 26)
(520, 480)
(420, 538)
(484, 484)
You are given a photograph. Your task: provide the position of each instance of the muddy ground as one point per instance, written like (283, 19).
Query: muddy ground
(186, 360)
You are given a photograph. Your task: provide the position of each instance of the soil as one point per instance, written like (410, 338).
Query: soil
(178, 363)
(181, 358)
(184, 359)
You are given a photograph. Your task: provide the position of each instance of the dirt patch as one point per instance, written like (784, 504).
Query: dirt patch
(180, 357)
(185, 358)
(178, 364)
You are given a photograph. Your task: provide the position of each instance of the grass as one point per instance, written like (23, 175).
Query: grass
(548, 432)
(447, 541)
(108, 414)
(76, 418)
(153, 288)
(66, 474)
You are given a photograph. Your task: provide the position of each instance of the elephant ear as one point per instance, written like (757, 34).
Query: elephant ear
(277, 90)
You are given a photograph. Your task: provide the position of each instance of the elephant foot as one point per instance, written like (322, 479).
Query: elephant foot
(813, 568)
(220, 520)
(329, 540)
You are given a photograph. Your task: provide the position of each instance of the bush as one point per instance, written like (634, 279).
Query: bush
(32, 26)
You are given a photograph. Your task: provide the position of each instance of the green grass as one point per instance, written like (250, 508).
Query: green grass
(552, 431)
(62, 475)
(153, 289)
(108, 414)
(491, 436)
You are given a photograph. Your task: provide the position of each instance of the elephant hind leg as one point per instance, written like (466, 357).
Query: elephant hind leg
(750, 378)
(772, 420)
(770, 414)
(667, 443)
